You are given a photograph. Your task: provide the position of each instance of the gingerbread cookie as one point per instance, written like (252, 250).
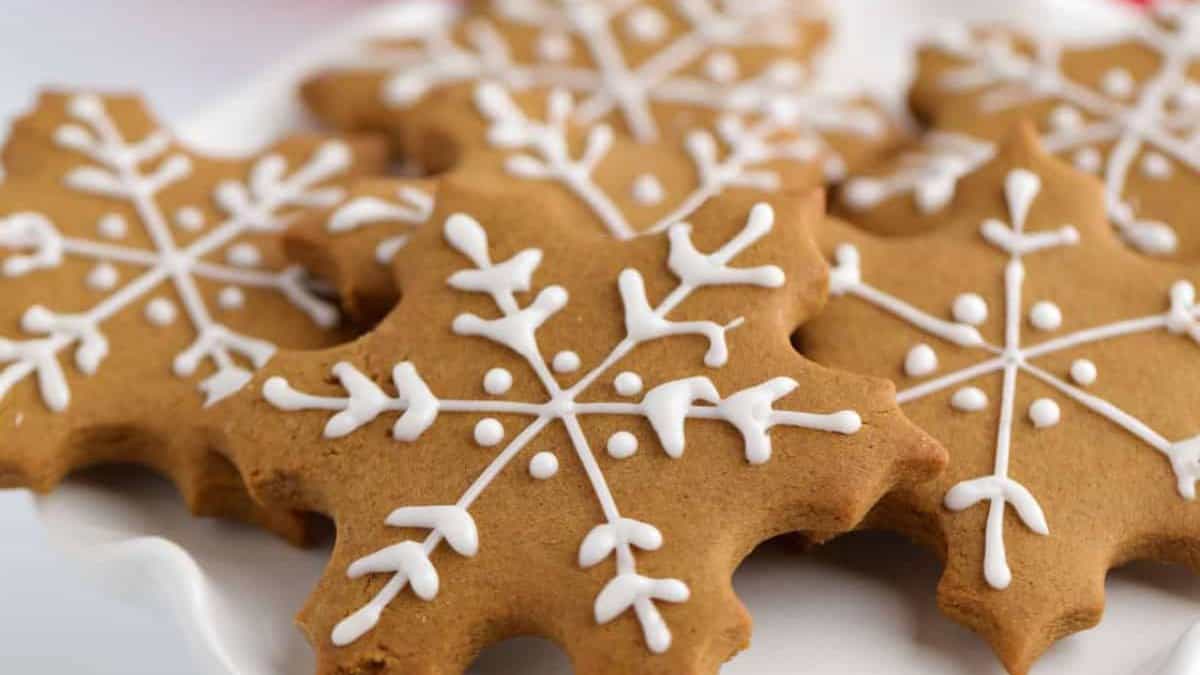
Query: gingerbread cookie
(142, 282)
(353, 244)
(642, 125)
(1057, 366)
(561, 434)
(1124, 110)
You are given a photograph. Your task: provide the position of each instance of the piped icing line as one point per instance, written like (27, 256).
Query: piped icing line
(930, 174)
(667, 407)
(1182, 317)
(547, 156)
(609, 84)
(411, 206)
(115, 172)
(1147, 125)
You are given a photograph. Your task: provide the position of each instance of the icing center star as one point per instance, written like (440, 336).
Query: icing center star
(667, 408)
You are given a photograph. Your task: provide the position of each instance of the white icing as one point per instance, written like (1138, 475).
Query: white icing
(161, 312)
(646, 24)
(622, 445)
(190, 218)
(790, 119)
(1045, 316)
(969, 399)
(244, 255)
(554, 47)
(647, 190)
(387, 249)
(231, 297)
(497, 381)
(489, 432)
(1013, 360)
(411, 206)
(103, 277)
(1155, 165)
(543, 466)
(721, 67)
(1128, 119)
(1044, 413)
(1065, 118)
(136, 173)
(607, 82)
(112, 226)
(1083, 372)
(1118, 83)
(931, 175)
(970, 308)
(921, 361)
(565, 362)
(1088, 160)
(628, 384)
(667, 409)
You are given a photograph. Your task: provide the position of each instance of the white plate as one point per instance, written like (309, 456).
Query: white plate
(863, 604)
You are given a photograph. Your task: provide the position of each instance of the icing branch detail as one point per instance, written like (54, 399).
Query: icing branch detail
(1013, 359)
(667, 408)
(1114, 127)
(547, 157)
(411, 206)
(115, 171)
(607, 84)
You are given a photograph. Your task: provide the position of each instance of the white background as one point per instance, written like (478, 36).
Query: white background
(865, 604)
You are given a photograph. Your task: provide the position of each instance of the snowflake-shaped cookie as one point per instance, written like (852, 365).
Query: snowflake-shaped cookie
(641, 128)
(1059, 369)
(561, 434)
(1127, 110)
(142, 282)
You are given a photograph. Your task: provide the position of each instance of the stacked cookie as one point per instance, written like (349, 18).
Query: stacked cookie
(610, 341)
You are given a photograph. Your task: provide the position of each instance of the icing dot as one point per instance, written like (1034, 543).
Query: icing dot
(489, 432)
(647, 190)
(189, 218)
(113, 226)
(1088, 159)
(231, 297)
(921, 361)
(1044, 413)
(1155, 165)
(1083, 372)
(1045, 316)
(554, 47)
(1065, 118)
(628, 384)
(970, 308)
(160, 311)
(646, 24)
(969, 399)
(102, 277)
(1188, 96)
(243, 255)
(497, 381)
(565, 362)
(622, 445)
(721, 67)
(1118, 82)
(835, 169)
(543, 465)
